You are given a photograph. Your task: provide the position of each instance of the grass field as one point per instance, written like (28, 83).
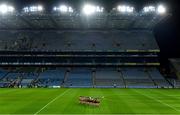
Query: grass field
(65, 101)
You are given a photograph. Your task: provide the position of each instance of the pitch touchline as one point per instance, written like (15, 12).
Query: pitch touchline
(94, 114)
(176, 96)
(51, 101)
(159, 101)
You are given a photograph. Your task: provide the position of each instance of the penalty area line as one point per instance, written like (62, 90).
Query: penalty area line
(51, 102)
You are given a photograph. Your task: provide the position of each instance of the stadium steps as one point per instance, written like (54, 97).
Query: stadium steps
(16, 81)
(38, 71)
(175, 83)
(95, 82)
(4, 76)
(137, 78)
(93, 77)
(155, 84)
(65, 77)
(122, 78)
(172, 81)
(169, 82)
(159, 79)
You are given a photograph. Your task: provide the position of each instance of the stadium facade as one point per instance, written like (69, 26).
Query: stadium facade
(72, 49)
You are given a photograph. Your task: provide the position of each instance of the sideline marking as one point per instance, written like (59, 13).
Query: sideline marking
(51, 102)
(96, 114)
(157, 100)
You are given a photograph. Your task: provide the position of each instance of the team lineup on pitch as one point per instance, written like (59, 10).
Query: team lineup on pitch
(89, 57)
(113, 101)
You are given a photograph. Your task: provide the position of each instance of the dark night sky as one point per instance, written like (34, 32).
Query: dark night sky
(167, 32)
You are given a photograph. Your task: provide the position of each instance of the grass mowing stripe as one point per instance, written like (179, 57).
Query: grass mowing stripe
(173, 97)
(122, 101)
(115, 101)
(157, 100)
(4, 92)
(51, 101)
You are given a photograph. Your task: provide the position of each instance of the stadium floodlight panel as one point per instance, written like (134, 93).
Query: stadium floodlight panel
(4, 9)
(89, 9)
(161, 9)
(125, 9)
(63, 9)
(149, 9)
(38, 8)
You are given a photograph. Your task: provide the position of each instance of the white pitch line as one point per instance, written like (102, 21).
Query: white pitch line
(158, 101)
(166, 95)
(176, 96)
(51, 101)
(95, 114)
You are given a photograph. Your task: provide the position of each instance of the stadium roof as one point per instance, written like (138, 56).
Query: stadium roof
(90, 16)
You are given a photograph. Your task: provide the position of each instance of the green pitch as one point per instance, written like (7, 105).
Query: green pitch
(113, 101)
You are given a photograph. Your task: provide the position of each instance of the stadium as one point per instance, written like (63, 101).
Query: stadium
(85, 60)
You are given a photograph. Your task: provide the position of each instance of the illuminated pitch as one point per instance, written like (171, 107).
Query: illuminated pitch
(114, 101)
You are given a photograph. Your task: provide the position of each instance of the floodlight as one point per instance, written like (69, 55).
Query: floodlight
(88, 9)
(37, 8)
(11, 9)
(40, 8)
(3, 8)
(91, 9)
(99, 9)
(125, 9)
(129, 9)
(26, 9)
(63, 9)
(55, 9)
(122, 8)
(6, 9)
(70, 9)
(149, 9)
(161, 9)
(32, 9)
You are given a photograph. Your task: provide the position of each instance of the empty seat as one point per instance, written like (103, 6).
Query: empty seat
(108, 77)
(79, 77)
